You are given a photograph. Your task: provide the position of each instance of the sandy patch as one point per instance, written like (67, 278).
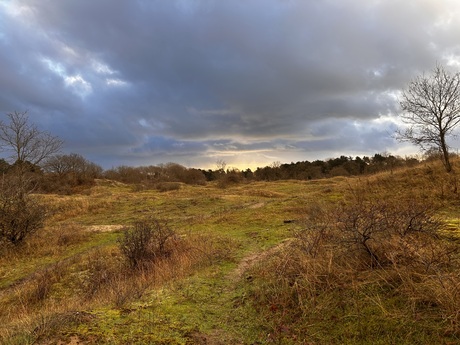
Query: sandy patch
(105, 228)
(258, 205)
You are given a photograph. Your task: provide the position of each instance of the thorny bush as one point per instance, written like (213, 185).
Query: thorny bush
(377, 229)
(145, 242)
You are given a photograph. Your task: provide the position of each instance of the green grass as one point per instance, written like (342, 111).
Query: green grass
(20, 267)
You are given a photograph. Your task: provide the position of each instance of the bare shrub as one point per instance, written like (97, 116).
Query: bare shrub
(167, 186)
(194, 177)
(380, 226)
(145, 242)
(106, 278)
(21, 214)
(377, 228)
(229, 179)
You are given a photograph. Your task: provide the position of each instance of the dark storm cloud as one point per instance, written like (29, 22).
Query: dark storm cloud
(151, 81)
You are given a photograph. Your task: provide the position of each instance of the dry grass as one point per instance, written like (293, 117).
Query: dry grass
(330, 298)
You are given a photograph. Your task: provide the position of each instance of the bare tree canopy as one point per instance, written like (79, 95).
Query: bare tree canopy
(431, 109)
(25, 141)
(71, 164)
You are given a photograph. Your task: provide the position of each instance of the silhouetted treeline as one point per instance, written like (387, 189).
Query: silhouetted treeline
(305, 170)
(72, 173)
(342, 166)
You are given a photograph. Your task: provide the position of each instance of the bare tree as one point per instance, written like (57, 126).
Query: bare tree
(221, 165)
(20, 213)
(25, 141)
(431, 108)
(72, 164)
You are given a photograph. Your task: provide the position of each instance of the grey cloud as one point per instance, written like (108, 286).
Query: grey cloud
(124, 79)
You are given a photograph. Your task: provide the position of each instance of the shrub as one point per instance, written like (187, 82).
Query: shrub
(65, 184)
(229, 179)
(386, 229)
(376, 228)
(20, 213)
(145, 242)
(167, 186)
(194, 177)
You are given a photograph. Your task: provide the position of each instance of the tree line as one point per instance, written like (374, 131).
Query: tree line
(302, 170)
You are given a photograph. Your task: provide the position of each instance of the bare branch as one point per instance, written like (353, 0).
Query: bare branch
(25, 141)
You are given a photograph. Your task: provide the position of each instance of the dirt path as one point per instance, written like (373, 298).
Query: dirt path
(252, 259)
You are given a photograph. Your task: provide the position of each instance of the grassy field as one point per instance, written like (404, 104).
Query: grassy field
(239, 272)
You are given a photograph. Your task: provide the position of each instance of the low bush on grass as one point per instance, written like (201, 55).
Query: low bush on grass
(21, 215)
(146, 242)
(229, 179)
(167, 186)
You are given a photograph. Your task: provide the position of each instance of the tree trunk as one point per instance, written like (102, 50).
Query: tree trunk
(445, 154)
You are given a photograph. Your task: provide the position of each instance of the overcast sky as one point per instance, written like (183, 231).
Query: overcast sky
(249, 82)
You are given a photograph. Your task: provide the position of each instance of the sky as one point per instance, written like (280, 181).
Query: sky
(196, 82)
